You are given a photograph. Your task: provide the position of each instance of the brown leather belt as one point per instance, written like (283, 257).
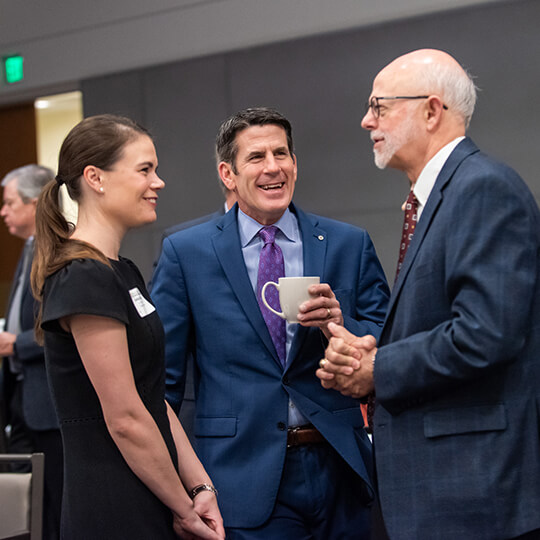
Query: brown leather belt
(299, 436)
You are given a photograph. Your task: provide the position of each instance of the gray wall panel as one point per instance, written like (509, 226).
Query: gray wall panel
(115, 94)
(185, 129)
(321, 84)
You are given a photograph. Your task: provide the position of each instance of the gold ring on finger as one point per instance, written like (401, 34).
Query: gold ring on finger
(323, 362)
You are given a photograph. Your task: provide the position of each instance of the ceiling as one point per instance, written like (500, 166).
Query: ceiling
(65, 42)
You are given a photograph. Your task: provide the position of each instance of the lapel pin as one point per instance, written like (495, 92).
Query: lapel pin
(320, 237)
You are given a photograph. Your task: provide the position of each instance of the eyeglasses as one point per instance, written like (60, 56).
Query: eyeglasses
(375, 106)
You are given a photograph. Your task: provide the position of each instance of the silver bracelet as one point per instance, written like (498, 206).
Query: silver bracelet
(202, 487)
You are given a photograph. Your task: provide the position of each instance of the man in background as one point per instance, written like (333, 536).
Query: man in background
(29, 411)
(457, 370)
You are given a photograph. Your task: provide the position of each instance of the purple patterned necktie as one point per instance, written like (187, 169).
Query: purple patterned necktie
(271, 268)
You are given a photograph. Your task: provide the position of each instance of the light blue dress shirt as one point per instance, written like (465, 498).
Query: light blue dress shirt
(288, 238)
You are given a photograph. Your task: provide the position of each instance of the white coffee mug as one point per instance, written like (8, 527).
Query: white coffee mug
(293, 292)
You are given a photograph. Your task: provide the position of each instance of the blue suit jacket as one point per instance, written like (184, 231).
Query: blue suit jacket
(186, 412)
(208, 307)
(38, 409)
(457, 374)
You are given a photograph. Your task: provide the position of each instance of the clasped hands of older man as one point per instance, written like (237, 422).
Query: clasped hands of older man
(348, 362)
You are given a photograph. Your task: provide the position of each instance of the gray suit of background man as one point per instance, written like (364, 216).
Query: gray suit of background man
(29, 411)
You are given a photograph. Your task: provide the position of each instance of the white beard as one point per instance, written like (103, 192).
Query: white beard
(393, 142)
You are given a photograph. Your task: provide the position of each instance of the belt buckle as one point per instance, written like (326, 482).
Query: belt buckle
(293, 432)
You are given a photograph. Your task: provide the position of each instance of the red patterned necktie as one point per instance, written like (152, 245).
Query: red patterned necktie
(409, 226)
(271, 268)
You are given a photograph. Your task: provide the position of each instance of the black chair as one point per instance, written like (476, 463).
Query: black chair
(21, 498)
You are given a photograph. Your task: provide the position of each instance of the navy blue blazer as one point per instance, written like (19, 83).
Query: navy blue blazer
(38, 409)
(457, 374)
(205, 299)
(186, 412)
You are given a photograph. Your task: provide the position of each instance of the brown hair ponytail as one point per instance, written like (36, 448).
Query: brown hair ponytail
(53, 247)
(99, 141)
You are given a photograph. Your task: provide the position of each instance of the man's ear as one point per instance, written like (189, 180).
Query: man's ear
(227, 175)
(433, 112)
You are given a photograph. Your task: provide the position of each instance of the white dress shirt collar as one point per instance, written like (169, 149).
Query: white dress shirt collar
(423, 186)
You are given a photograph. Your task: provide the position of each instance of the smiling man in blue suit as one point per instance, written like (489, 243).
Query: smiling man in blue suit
(289, 459)
(457, 369)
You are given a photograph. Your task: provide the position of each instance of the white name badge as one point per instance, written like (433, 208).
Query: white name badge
(142, 305)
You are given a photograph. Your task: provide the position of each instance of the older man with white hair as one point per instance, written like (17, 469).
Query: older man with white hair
(456, 373)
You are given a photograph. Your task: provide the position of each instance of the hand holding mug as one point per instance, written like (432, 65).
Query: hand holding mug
(293, 292)
(322, 309)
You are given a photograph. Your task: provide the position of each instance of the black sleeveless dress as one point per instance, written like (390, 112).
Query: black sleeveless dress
(103, 499)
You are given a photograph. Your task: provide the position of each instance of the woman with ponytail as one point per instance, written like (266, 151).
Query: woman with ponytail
(130, 472)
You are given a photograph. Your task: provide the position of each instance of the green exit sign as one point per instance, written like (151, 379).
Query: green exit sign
(13, 68)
